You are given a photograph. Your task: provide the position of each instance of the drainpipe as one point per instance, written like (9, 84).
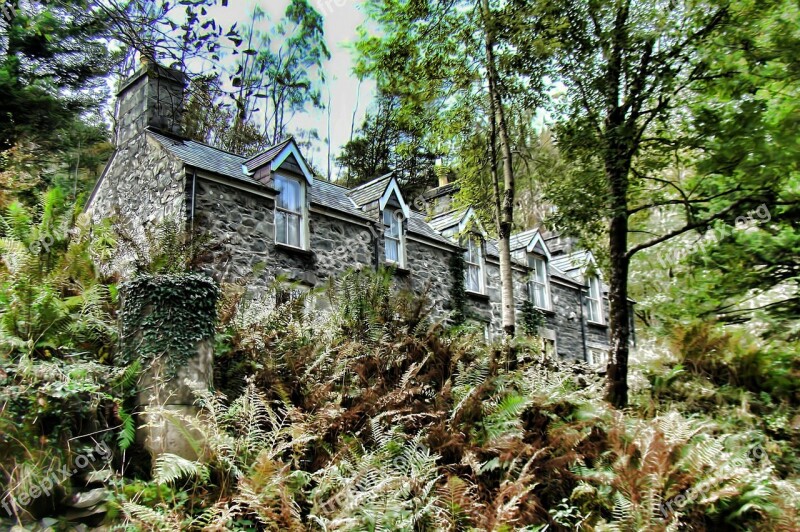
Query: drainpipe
(191, 212)
(376, 257)
(583, 325)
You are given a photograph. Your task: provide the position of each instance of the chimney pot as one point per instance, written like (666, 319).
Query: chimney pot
(441, 172)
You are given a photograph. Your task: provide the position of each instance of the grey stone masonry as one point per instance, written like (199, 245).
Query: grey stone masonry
(142, 181)
(155, 173)
(244, 223)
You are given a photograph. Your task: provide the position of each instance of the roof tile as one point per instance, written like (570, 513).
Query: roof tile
(370, 191)
(266, 156)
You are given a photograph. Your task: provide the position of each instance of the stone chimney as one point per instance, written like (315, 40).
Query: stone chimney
(152, 97)
(442, 173)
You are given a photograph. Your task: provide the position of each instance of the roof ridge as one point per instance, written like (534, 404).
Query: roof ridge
(269, 148)
(371, 182)
(150, 129)
(328, 182)
(451, 211)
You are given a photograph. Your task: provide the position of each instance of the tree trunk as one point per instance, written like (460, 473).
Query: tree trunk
(504, 204)
(619, 314)
(617, 158)
(617, 169)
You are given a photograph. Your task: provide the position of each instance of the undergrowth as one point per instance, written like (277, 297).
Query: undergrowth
(372, 416)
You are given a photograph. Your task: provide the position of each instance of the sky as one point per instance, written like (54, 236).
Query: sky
(341, 20)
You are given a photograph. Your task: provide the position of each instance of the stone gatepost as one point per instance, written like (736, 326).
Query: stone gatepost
(168, 325)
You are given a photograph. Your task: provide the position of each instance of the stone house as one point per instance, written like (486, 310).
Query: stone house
(271, 210)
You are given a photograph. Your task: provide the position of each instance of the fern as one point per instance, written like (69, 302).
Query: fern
(170, 468)
(150, 519)
(127, 432)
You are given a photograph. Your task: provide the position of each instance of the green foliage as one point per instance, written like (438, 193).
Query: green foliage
(388, 141)
(210, 118)
(166, 247)
(279, 72)
(169, 468)
(532, 318)
(458, 293)
(52, 299)
(362, 303)
(51, 66)
(167, 315)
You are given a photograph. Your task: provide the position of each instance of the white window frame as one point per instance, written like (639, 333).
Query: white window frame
(594, 300)
(597, 357)
(539, 278)
(302, 214)
(476, 242)
(396, 217)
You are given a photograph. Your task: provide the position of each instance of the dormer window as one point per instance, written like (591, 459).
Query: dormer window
(538, 289)
(473, 266)
(394, 251)
(594, 301)
(290, 219)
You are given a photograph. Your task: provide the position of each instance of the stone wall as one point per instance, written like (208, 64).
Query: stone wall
(143, 183)
(491, 307)
(244, 223)
(565, 320)
(429, 272)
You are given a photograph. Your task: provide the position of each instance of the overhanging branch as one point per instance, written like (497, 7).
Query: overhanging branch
(684, 229)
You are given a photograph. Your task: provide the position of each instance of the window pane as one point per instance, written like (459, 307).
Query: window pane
(594, 288)
(473, 283)
(593, 311)
(289, 197)
(394, 226)
(391, 250)
(280, 227)
(293, 227)
(541, 270)
(540, 296)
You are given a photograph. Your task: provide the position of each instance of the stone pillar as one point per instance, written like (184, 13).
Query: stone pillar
(168, 325)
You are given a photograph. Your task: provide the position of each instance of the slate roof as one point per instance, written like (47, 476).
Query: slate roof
(572, 263)
(322, 193)
(371, 191)
(556, 243)
(556, 272)
(334, 197)
(493, 250)
(521, 240)
(203, 156)
(441, 191)
(266, 156)
(442, 221)
(418, 225)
